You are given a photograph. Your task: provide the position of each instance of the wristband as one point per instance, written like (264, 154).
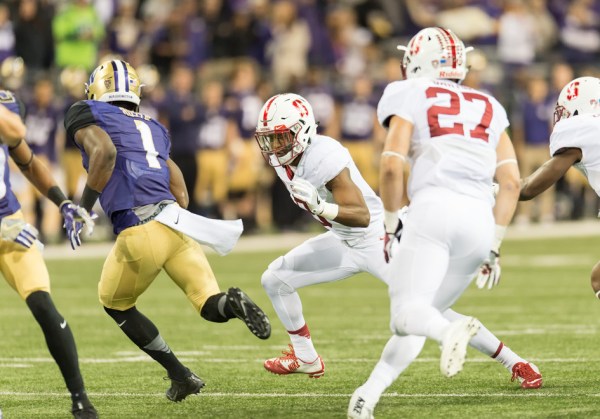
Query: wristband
(391, 221)
(56, 195)
(88, 198)
(598, 294)
(498, 237)
(330, 211)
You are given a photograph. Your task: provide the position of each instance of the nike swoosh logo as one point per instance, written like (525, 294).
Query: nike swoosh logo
(177, 220)
(122, 323)
(63, 324)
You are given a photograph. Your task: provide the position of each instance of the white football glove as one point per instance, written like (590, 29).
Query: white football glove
(304, 191)
(489, 271)
(18, 231)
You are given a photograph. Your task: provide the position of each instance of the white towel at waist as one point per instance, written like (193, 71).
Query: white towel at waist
(220, 235)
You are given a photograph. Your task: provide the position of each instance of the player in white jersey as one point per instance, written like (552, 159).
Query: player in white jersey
(574, 142)
(322, 178)
(453, 137)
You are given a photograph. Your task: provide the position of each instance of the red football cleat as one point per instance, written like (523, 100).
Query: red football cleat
(290, 364)
(528, 375)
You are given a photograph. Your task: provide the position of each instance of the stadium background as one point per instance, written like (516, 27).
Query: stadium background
(244, 51)
(209, 65)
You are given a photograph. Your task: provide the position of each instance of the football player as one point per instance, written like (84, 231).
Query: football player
(454, 138)
(573, 142)
(21, 261)
(126, 155)
(322, 179)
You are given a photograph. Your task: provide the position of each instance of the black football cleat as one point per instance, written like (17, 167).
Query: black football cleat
(247, 311)
(84, 411)
(179, 390)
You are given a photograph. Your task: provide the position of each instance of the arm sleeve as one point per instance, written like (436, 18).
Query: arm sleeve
(78, 116)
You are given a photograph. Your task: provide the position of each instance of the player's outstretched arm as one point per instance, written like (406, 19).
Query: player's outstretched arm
(393, 160)
(177, 184)
(549, 173)
(102, 156)
(353, 210)
(36, 172)
(41, 177)
(507, 175)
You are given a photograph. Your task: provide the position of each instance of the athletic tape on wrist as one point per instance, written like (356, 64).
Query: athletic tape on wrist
(330, 211)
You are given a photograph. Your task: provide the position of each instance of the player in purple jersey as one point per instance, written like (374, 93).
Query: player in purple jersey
(126, 155)
(21, 261)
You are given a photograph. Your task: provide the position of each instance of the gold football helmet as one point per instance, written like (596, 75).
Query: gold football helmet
(114, 81)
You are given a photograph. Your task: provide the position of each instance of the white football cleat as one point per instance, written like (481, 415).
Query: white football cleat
(359, 408)
(289, 363)
(454, 345)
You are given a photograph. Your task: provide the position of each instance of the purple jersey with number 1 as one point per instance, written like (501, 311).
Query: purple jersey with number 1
(141, 176)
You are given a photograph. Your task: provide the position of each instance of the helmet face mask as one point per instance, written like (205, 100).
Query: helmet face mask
(285, 127)
(435, 53)
(114, 81)
(578, 97)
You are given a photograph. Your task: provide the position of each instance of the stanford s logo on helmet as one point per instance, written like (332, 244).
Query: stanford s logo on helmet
(579, 96)
(286, 124)
(114, 81)
(435, 53)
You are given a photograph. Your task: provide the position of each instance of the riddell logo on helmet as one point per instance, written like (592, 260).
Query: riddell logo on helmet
(450, 74)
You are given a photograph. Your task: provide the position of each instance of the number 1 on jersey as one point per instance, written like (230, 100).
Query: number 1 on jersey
(148, 143)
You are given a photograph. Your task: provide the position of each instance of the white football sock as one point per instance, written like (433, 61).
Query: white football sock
(507, 357)
(487, 343)
(303, 347)
(397, 355)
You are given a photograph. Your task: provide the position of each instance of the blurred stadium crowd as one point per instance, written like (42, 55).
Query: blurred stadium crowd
(208, 65)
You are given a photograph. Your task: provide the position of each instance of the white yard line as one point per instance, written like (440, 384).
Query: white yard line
(17, 362)
(538, 394)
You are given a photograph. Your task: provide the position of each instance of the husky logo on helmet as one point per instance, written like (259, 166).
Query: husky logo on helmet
(286, 124)
(435, 53)
(114, 81)
(580, 96)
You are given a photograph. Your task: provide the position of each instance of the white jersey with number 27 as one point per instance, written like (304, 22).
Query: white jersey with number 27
(456, 131)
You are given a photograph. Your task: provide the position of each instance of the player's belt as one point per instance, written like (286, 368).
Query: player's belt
(152, 216)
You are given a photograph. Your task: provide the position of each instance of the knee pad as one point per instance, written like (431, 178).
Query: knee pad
(273, 285)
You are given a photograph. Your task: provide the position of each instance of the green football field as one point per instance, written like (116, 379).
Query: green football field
(544, 310)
